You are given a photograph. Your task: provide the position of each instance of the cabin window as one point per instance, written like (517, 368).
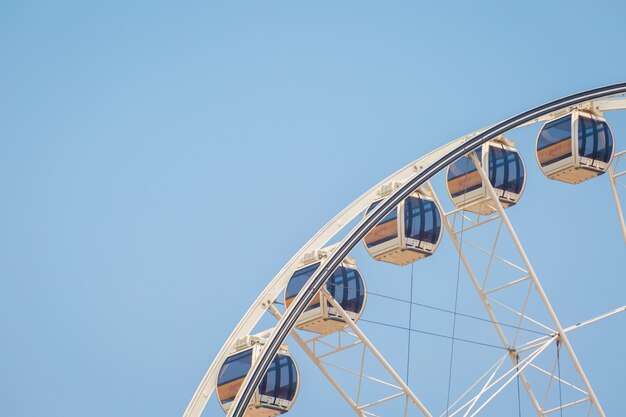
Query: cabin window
(506, 171)
(463, 176)
(280, 381)
(297, 281)
(554, 143)
(594, 139)
(235, 367)
(421, 219)
(346, 287)
(384, 231)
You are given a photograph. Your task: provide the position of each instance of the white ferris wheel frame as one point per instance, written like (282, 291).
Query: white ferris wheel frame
(412, 176)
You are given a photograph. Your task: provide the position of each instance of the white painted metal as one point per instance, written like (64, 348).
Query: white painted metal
(531, 272)
(518, 372)
(367, 344)
(483, 292)
(609, 104)
(483, 297)
(490, 374)
(319, 365)
(380, 357)
(269, 294)
(614, 174)
(511, 374)
(595, 319)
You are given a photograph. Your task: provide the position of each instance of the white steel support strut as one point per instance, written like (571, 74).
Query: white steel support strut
(377, 355)
(303, 345)
(533, 276)
(404, 389)
(483, 297)
(358, 408)
(614, 174)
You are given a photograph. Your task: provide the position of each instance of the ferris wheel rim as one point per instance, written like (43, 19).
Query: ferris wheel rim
(419, 177)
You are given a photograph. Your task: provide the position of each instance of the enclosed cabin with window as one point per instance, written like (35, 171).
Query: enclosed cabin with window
(575, 147)
(505, 170)
(346, 286)
(410, 232)
(278, 389)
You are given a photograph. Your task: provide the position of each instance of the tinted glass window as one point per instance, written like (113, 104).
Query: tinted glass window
(389, 217)
(347, 288)
(555, 131)
(385, 230)
(554, 143)
(605, 142)
(594, 139)
(497, 166)
(422, 220)
(287, 377)
(463, 176)
(299, 278)
(506, 171)
(269, 381)
(461, 167)
(281, 379)
(235, 367)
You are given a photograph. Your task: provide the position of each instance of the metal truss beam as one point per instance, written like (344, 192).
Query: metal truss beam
(563, 338)
(480, 289)
(308, 346)
(615, 172)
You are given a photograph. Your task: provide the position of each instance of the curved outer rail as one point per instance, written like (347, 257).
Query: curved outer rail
(414, 175)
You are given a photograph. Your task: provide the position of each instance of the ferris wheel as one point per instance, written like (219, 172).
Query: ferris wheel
(319, 296)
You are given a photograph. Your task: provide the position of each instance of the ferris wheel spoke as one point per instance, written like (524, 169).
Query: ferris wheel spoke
(521, 314)
(448, 225)
(518, 373)
(497, 385)
(568, 405)
(562, 336)
(459, 239)
(379, 357)
(338, 345)
(488, 376)
(615, 172)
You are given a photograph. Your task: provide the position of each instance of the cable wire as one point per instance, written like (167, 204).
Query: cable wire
(558, 362)
(408, 349)
(431, 307)
(395, 326)
(519, 398)
(456, 293)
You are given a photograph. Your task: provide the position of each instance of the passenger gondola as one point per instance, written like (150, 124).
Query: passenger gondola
(505, 170)
(575, 147)
(346, 286)
(410, 232)
(278, 389)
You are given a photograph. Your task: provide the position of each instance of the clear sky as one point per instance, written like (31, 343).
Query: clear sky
(160, 162)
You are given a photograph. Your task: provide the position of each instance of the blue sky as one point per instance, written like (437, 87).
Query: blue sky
(159, 163)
